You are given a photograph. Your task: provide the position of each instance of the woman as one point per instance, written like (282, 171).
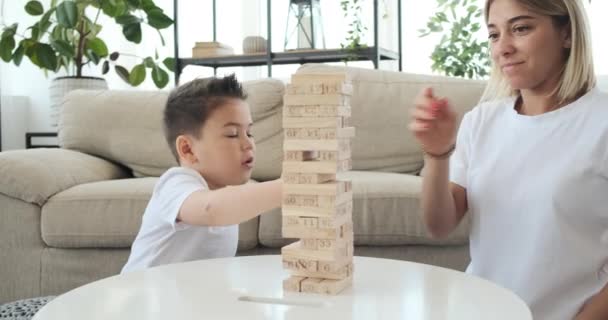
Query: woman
(529, 164)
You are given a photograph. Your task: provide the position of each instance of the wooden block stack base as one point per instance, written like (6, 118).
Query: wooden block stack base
(317, 207)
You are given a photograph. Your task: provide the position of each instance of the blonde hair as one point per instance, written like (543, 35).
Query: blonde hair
(578, 76)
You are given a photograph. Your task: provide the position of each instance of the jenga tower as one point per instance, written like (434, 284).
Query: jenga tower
(317, 208)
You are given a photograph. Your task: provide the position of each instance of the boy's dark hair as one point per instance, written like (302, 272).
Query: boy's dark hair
(189, 105)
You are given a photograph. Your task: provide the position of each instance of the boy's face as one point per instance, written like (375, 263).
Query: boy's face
(224, 153)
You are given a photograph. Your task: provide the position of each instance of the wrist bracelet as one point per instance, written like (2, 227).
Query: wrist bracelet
(441, 156)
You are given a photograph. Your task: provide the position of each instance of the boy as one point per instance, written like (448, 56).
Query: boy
(195, 209)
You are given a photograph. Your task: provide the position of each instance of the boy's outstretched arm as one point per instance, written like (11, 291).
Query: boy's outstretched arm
(596, 308)
(232, 204)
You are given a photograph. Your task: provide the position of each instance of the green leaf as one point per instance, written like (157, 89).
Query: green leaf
(169, 63)
(148, 5)
(67, 14)
(9, 31)
(160, 77)
(158, 20)
(123, 73)
(93, 57)
(114, 55)
(149, 62)
(128, 19)
(64, 48)
(18, 55)
(45, 57)
(134, 3)
(132, 32)
(109, 9)
(138, 75)
(105, 67)
(34, 8)
(98, 46)
(35, 32)
(7, 44)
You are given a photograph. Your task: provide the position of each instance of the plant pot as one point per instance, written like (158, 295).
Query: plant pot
(62, 85)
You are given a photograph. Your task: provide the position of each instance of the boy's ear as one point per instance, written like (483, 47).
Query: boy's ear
(184, 145)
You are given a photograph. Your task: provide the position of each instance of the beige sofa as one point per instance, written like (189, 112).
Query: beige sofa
(68, 216)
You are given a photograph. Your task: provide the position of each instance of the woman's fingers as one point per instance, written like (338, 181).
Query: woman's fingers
(420, 113)
(420, 126)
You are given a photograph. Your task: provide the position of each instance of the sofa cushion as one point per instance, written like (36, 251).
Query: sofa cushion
(35, 175)
(385, 212)
(108, 215)
(126, 126)
(380, 113)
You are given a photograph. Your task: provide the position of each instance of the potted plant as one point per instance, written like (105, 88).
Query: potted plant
(66, 37)
(460, 52)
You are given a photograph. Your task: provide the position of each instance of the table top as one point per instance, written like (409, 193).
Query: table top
(251, 288)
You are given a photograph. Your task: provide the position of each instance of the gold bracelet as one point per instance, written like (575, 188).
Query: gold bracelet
(442, 156)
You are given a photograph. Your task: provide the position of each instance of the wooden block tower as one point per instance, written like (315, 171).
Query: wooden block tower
(317, 207)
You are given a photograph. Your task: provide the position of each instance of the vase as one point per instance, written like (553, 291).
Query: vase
(62, 85)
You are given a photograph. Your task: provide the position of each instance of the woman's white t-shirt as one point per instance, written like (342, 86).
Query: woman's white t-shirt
(162, 240)
(537, 191)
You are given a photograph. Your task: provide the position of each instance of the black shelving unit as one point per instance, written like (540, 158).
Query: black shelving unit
(371, 53)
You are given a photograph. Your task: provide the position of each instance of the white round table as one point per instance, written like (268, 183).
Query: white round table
(251, 288)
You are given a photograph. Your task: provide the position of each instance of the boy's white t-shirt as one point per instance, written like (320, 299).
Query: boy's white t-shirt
(537, 191)
(162, 240)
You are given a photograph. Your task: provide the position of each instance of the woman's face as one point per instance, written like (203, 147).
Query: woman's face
(528, 48)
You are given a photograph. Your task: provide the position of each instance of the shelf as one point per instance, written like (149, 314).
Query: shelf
(373, 53)
(291, 57)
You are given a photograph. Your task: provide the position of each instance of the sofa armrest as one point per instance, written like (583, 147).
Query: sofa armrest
(35, 175)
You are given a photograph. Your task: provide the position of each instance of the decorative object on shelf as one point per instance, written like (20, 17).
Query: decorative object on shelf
(353, 41)
(66, 37)
(460, 52)
(304, 25)
(254, 44)
(211, 49)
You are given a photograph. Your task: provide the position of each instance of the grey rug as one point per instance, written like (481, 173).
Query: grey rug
(23, 309)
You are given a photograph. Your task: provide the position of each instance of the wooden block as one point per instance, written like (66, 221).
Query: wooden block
(310, 285)
(303, 222)
(327, 244)
(300, 155)
(313, 122)
(294, 263)
(317, 145)
(316, 110)
(340, 251)
(327, 77)
(316, 87)
(293, 283)
(325, 286)
(316, 99)
(333, 287)
(290, 231)
(307, 178)
(344, 207)
(319, 133)
(317, 166)
(312, 202)
(342, 273)
(317, 155)
(311, 222)
(328, 188)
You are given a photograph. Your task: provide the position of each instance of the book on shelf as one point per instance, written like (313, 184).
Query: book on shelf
(211, 49)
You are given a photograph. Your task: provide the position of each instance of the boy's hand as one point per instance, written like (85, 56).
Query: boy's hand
(433, 123)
